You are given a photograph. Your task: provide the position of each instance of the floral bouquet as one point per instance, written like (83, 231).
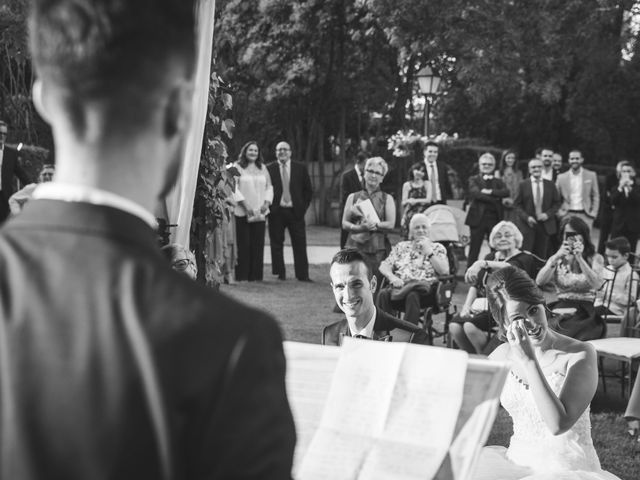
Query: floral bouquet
(402, 142)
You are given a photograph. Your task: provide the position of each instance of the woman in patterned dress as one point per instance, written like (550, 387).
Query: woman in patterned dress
(416, 196)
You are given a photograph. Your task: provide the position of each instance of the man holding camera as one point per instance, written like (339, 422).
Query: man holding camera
(625, 200)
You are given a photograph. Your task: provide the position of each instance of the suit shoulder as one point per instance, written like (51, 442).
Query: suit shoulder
(331, 332)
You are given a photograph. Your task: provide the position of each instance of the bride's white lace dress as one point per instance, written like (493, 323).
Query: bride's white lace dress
(534, 453)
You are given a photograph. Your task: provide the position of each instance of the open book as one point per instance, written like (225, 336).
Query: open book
(371, 410)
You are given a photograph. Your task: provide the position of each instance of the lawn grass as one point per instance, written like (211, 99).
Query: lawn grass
(304, 309)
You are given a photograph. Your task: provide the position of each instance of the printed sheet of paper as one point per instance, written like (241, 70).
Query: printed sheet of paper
(391, 412)
(368, 211)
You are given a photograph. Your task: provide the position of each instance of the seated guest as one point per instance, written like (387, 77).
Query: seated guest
(621, 282)
(182, 260)
(417, 262)
(470, 329)
(353, 285)
(366, 233)
(576, 272)
(547, 392)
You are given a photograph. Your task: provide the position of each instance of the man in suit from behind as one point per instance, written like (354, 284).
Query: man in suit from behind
(292, 192)
(485, 210)
(579, 192)
(9, 169)
(351, 181)
(354, 285)
(436, 174)
(114, 365)
(536, 203)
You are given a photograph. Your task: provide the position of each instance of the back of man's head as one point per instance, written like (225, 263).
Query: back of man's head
(118, 52)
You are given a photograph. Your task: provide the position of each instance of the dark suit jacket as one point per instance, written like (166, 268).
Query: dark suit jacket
(70, 273)
(626, 209)
(443, 180)
(525, 208)
(299, 187)
(349, 183)
(479, 200)
(383, 326)
(11, 169)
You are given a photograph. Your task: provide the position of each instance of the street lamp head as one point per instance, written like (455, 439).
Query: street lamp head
(429, 81)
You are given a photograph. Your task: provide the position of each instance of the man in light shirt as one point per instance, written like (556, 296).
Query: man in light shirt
(578, 188)
(353, 285)
(114, 365)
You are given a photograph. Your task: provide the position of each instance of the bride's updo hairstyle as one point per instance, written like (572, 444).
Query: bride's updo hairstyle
(510, 283)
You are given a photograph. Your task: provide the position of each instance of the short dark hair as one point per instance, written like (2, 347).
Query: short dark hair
(3, 124)
(242, 157)
(510, 283)
(621, 244)
(430, 143)
(361, 157)
(111, 50)
(350, 255)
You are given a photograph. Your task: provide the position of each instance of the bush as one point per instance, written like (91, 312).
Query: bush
(31, 159)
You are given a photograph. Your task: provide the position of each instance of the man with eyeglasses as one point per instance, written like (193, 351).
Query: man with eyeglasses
(292, 192)
(536, 204)
(486, 192)
(182, 260)
(9, 169)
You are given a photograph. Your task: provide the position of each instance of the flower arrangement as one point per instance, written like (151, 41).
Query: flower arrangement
(403, 141)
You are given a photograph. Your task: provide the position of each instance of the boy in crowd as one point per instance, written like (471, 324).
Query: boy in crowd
(620, 281)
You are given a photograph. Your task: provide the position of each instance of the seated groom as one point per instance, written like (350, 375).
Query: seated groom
(353, 286)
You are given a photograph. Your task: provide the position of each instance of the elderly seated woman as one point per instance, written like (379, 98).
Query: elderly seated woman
(471, 328)
(412, 268)
(182, 259)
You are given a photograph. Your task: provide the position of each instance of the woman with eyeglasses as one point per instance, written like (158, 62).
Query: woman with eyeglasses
(575, 271)
(253, 196)
(182, 260)
(369, 214)
(472, 327)
(416, 196)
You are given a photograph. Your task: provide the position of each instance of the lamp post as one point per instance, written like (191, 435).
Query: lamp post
(429, 82)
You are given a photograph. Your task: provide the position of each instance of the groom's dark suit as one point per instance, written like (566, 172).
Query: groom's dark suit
(10, 169)
(70, 274)
(383, 329)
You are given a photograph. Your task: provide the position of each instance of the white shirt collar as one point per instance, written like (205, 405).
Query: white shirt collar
(368, 330)
(68, 192)
(534, 180)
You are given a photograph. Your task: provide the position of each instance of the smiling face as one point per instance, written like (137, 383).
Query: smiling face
(373, 176)
(534, 317)
(547, 157)
(510, 159)
(504, 240)
(535, 168)
(252, 153)
(283, 151)
(575, 160)
(431, 153)
(419, 228)
(353, 290)
(487, 164)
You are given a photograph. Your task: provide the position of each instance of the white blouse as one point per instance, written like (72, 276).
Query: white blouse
(254, 187)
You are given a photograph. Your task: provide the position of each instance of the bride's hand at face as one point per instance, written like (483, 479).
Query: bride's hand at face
(520, 343)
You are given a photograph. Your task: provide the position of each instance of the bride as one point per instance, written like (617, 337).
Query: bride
(547, 393)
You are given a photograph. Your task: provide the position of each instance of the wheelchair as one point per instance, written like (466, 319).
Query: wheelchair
(436, 301)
